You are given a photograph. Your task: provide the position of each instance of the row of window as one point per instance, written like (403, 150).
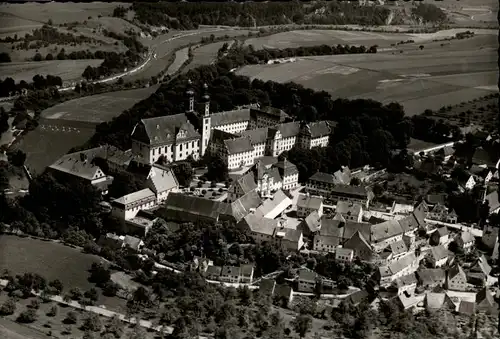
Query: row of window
(168, 149)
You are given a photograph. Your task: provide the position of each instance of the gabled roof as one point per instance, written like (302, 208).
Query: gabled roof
(484, 298)
(213, 270)
(331, 228)
(438, 208)
(408, 223)
(357, 297)
(343, 176)
(77, 164)
(406, 280)
(238, 145)
(313, 221)
(246, 270)
(307, 275)
(437, 300)
(230, 117)
(309, 201)
(257, 136)
(286, 168)
(357, 236)
(467, 307)
(481, 266)
(318, 129)
(178, 204)
(246, 183)
(290, 234)
(358, 191)
(385, 230)
(467, 237)
(441, 231)
(455, 271)
(323, 177)
(288, 130)
(351, 227)
(144, 194)
(436, 199)
(348, 207)
(493, 201)
(398, 247)
(270, 111)
(132, 242)
(431, 276)
(266, 286)
(241, 207)
(484, 157)
(259, 224)
(162, 179)
(402, 263)
(275, 205)
(164, 129)
(231, 270)
(439, 252)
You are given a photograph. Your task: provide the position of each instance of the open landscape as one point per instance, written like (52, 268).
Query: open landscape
(141, 187)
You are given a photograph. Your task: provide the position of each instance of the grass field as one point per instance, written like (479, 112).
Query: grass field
(68, 70)
(181, 56)
(98, 108)
(204, 55)
(440, 74)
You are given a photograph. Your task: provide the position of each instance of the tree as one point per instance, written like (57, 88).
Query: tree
(92, 294)
(302, 324)
(115, 327)
(27, 316)
(92, 323)
(89, 73)
(16, 158)
(110, 289)
(137, 333)
(71, 318)
(52, 311)
(8, 307)
(49, 57)
(57, 285)
(37, 57)
(421, 47)
(217, 169)
(5, 57)
(75, 293)
(99, 274)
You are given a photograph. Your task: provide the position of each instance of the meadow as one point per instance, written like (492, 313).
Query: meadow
(205, 55)
(181, 56)
(68, 70)
(439, 74)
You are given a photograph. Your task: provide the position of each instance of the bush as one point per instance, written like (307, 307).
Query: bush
(52, 311)
(35, 304)
(110, 289)
(71, 318)
(27, 316)
(8, 307)
(92, 323)
(37, 57)
(75, 294)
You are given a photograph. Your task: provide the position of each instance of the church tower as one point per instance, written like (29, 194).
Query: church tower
(207, 122)
(190, 95)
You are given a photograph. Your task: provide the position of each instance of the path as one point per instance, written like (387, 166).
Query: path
(474, 231)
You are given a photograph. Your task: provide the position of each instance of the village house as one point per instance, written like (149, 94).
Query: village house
(240, 187)
(260, 229)
(306, 204)
(467, 308)
(490, 236)
(199, 264)
(284, 294)
(385, 233)
(355, 194)
(356, 298)
(289, 174)
(344, 255)
(241, 207)
(388, 273)
(320, 184)
(478, 272)
(451, 217)
(79, 166)
(350, 211)
(267, 178)
(329, 236)
(288, 238)
(274, 206)
(116, 242)
(360, 247)
(438, 212)
(438, 301)
(456, 279)
(230, 274)
(307, 280)
(467, 183)
(465, 241)
(311, 224)
(440, 236)
(161, 181)
(393, 252)
(405, 284)
(431, 277)
(213, 272)
(133, 243)
(438, 256)
(493, 202)
(408, 302)
(127, 207)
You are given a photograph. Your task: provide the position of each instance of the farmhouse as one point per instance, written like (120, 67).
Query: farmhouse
(404, 266)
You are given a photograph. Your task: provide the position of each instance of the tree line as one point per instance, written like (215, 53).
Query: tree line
(8, 86)
(189, 15)
(47, 35)
(74, 55)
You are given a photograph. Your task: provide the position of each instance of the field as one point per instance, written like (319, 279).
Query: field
(181, 56)
(442, 73)
(68, 70)
(205, 55)
(98, 108)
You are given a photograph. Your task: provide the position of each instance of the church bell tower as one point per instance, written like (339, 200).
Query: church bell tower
(207, 122)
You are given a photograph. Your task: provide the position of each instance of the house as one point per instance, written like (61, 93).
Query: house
(493, 202)
(133, 243)
(451, 217)
(289, 174)
(440, 236)
(329, 237)
(393, 252)
(306, 204)
(230, 274)
(343, 176)
(199, 264)
(438, 212)
(490, 236)
(465, 241)
(79, 166)
(467, 183)
(479, 271)
(438, 301)
(405, 284)
(485, 301)
(111, 241)
(284, 294)
(320, 184)
(243, 185)
(385, 233)
(408, 302)
(241, 207)
(432, 277)
(161, 181)
(456, 279)
(357, 298)
(360, 247)
(307, 280)
(350, 211)
(259, 228)
(213, 272)
(289, 238)
(388, 273)
(344, 255)
(274, 206)
(267, 178)
(246, 274)
(355, 194)
(311, 224)
(438, 256)
(267, 286)
(433, 199)
(127, 207)
(467, 308)
(485, 158)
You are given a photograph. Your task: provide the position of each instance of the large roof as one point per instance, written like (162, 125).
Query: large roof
(348, 207)
(230, 117)
(358, 191)
(290, 129)
(78, 165)
(178, 204)
(385, 230)
(238, 145)
(286, 168)
(135, 197)
(273, 206)
(399, 265)
(257, 136)
(313, 221)
(323, 177)
(270, 111)
(431, 276)
(260, 225)
(164, 129)
(493, 201)
(309, 201)
(318, 129)
(162, 179)
(241, 207)
(246, 183)
(439, 252)
(456, 270)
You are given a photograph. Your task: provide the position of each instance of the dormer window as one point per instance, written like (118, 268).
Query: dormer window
(181, 134)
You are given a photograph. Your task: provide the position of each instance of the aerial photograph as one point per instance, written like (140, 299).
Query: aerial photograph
(249, 169)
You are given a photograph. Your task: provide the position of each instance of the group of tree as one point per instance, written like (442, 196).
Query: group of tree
(251, 56)
(75, 55)
(429, 13)
(9, 87)
(47, 35)
(5, 57)
(189, 15)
